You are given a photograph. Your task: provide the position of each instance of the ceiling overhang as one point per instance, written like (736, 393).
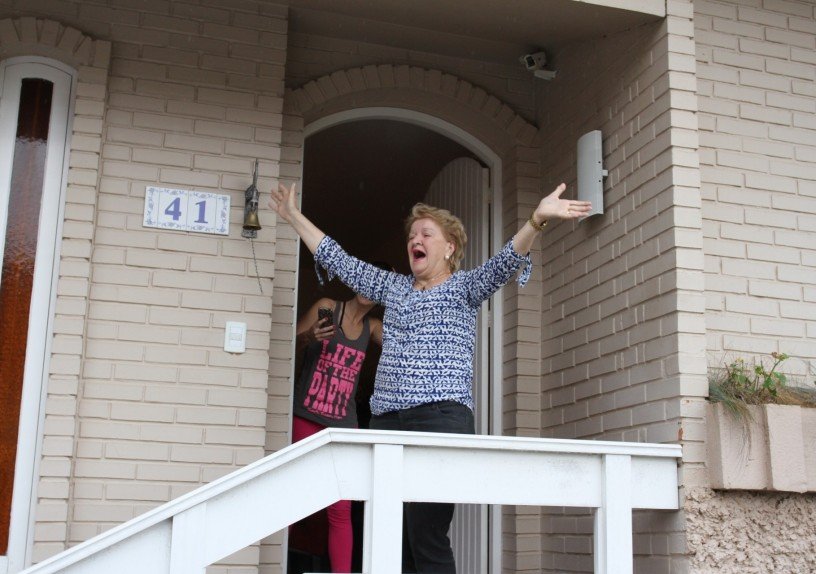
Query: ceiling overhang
(485, 30)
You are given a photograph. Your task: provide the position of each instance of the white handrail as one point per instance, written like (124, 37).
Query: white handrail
(385, 468)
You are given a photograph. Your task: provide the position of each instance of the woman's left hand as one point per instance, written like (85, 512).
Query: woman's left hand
(553, 207)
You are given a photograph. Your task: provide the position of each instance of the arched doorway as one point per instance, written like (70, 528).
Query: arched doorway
(473, 147)
(402, 151)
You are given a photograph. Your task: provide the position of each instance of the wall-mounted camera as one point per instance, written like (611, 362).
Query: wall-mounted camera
(535, 63)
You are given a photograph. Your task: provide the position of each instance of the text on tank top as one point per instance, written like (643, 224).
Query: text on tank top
(331, 375)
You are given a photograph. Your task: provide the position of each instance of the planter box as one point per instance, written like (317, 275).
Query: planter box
(776, 450)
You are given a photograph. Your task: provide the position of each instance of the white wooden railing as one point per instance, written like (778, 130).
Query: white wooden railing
(383, 468)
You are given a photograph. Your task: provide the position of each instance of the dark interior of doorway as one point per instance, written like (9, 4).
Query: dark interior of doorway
(360, 180)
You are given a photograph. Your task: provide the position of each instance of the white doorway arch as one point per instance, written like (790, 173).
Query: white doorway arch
(491, 383)
(493, 163)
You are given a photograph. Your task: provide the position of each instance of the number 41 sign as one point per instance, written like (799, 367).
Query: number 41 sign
(185, 210)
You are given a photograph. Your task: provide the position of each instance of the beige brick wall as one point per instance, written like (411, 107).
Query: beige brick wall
(757, 72)
(622, 309)
(757, 118)
(152, 406)
(623, 330)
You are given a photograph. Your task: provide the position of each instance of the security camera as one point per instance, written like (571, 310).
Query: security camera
(545, 74)
(534, 61)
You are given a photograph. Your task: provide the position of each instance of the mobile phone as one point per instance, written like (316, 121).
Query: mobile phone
(325, 313)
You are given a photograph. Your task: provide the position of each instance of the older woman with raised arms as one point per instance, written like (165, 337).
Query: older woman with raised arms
(425, 373)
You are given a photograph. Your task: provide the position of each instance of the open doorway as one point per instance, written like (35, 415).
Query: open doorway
(360, 180)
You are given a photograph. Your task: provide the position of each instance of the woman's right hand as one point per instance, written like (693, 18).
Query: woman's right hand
(284, 202)
(320, 331)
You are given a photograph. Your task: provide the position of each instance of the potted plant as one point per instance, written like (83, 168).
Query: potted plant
(761, 431)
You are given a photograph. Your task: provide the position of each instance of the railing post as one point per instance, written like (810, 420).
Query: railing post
(187, 541)
(613, 520)
(382, 539)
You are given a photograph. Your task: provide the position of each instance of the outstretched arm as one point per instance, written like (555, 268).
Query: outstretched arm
(284, 202)
(363, 278)
(550, 207)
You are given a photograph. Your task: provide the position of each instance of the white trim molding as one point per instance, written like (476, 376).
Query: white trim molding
(43, 296)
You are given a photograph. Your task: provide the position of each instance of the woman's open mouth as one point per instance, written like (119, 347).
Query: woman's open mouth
(418, 254)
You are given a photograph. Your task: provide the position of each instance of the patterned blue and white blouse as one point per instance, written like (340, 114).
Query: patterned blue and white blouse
(428, 336)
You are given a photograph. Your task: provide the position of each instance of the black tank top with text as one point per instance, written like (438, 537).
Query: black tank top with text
(325, 391)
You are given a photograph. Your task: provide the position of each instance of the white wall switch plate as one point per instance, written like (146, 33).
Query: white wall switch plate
(235, 337)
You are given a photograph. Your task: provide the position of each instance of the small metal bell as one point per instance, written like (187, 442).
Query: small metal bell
(251, 220)
(252, 198)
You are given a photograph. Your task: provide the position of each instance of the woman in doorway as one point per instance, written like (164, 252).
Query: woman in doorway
(425, 373)
(334, 336)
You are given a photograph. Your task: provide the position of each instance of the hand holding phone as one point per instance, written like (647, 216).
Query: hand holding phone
(325, 313)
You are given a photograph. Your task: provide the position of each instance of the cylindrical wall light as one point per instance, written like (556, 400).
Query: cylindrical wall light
(591, 171)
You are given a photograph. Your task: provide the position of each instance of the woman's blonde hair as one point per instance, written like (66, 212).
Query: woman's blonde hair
(451, 226)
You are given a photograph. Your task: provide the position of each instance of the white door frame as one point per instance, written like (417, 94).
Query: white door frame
(494, 164)
(43, 295)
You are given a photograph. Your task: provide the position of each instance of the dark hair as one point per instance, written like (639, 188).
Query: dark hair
(382, 265)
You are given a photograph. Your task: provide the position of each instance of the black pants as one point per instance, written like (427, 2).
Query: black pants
(426, 547)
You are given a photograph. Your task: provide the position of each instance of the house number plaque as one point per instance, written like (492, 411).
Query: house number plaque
(186, 210)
